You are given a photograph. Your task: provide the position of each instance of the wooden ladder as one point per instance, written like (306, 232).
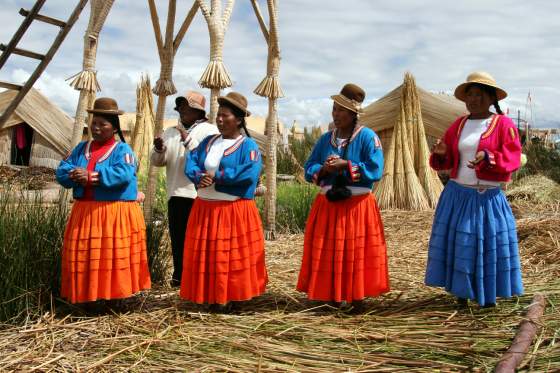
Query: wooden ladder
(11, 48)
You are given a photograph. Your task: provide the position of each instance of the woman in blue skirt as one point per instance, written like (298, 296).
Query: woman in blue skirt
(473, 250)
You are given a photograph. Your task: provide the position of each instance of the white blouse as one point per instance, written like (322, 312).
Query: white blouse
(468, 145)
(211, 164)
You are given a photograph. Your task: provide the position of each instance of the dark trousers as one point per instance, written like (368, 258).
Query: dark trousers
(178, 211)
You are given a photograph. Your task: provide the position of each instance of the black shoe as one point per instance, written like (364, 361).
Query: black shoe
(174, 283)
(489, 305)
(220, 308)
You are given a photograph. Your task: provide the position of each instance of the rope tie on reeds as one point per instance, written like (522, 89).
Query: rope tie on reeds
(86, 79)
(164, 86)
(215, 75)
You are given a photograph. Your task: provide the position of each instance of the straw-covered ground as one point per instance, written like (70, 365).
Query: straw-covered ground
(413, 328)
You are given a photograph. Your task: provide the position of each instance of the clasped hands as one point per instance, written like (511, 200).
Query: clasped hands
(79, 175)
(206, 180)
(334, 163)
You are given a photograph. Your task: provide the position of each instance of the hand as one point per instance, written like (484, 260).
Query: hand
(140, 197)
(338, 163)
(328, 166)
(79, 175)
(158, 143)
(206, 180)
(439, 148)
(479, 157)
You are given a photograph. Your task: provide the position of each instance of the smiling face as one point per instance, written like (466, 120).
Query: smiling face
(228, 124)
(101, 129)
(478, 100)
(343, 118)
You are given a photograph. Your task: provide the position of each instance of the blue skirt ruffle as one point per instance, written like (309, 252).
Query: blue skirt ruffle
(473, 249)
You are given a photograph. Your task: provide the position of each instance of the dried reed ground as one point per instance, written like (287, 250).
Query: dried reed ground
(413, 328)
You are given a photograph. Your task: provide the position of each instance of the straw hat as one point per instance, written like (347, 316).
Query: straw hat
(195, 100)
(479, 77)
(105, 105)
(237, 100)
(351, 97)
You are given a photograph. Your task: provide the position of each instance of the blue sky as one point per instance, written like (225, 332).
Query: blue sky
(324, 44)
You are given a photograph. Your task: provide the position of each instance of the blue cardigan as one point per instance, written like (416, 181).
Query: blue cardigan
(239, 169)
(364, 154)
(116, 170)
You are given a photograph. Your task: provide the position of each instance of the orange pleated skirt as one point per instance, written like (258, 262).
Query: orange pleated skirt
(224, 252)
(104, 252)
(344, 250)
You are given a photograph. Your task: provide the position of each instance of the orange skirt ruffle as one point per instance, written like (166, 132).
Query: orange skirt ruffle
(224, 252)
(344, 251)
(104, 252)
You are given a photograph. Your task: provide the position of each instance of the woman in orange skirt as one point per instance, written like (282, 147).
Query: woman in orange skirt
(224, 261)
(344, 254)
(104, 250)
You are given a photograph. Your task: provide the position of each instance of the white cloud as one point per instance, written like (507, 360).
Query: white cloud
(324, 44)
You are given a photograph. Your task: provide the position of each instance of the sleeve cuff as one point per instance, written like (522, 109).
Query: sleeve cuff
(93, 178)
(354, 172)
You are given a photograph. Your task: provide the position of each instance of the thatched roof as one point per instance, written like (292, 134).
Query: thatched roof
(438, 111)
(43, 116)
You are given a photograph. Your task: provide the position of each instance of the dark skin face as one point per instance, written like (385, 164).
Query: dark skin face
(228, 124)
(101, 129)
(478, 102)
(187, 114)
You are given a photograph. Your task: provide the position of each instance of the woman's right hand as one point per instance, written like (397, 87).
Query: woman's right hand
(158, 143)
(206, 181)
(439, 148)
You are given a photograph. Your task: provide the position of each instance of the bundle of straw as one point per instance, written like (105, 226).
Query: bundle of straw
(143, 132)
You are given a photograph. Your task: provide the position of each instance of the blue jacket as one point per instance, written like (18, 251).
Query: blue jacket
(239, 169)
(116, 171)
(364, 154)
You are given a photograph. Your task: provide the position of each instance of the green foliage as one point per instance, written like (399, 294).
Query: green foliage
(541, 160)
(300, 148)
(31, 236)
(293, 203)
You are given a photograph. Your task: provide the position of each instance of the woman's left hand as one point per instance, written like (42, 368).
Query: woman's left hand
(479, 157)
(79, 175)
(206, 180)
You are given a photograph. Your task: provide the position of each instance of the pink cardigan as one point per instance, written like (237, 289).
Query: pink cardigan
(500, 142)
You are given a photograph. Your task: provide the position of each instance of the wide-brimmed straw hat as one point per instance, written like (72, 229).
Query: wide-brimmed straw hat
(479, 77)
(195, 100)
(351, 97)
(236, 99)
(105, 105)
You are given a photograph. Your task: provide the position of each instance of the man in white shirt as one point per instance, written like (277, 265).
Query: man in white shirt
(170, 150)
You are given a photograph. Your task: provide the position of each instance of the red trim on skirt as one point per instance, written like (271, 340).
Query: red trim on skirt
(344, 253)
(104, 251)
(224, 252)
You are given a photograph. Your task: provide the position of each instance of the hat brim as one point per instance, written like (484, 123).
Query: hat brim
(191, 105)
(461, 90)
(225, 99)
(342, 102)
(106, 112)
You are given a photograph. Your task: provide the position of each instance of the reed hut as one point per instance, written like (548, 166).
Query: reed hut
(37, 134)
(408, 120)
(438, 112)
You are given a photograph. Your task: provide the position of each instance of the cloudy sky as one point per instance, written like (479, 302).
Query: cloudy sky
(324, 44)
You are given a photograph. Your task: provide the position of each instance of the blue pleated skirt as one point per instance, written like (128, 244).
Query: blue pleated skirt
(473, 250)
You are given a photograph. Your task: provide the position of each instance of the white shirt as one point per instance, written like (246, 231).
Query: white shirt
(468, 145)
(211, 164)
(173, 157)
